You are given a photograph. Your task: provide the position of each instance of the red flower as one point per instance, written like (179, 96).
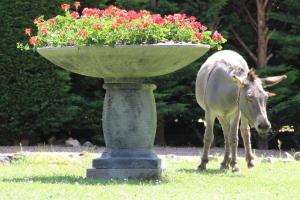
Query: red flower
(217, 36)
(92, 12)
(131, 15)
(65, 6)
(97, 26)
(27, 31)
(82, 33)
(33, 40)
(44, 31)
(198, 35)
(52, 21)
(77, 4)
(129, 26)
(120, 20)
(157, 19)
(111, 10)
(75, 15)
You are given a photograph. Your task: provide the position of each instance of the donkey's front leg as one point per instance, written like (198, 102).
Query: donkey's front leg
(233, 139)
(245, 132)
(208, 138)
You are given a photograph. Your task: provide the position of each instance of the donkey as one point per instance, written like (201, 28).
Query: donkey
(228, 90)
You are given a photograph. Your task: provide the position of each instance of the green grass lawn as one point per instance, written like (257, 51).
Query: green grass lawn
(55, 177)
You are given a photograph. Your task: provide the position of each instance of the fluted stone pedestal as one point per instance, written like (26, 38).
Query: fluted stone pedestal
(129, 113)
(129, 126)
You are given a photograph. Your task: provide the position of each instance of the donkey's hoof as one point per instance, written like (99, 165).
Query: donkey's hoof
(251, 164)
(201, 168)
(224, 166)
(236, 169)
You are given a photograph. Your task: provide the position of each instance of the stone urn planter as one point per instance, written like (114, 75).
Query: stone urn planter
(129, 111)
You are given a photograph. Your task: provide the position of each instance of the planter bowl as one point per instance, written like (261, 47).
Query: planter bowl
(124, 61)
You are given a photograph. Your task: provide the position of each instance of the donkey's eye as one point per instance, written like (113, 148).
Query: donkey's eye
(249, 94)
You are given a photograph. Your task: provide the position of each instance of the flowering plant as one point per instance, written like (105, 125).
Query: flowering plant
(115, 26)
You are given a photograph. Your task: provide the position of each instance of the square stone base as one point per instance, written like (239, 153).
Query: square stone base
(107, 174)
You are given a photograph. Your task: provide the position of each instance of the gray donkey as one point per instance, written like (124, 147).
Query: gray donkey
(226, 89)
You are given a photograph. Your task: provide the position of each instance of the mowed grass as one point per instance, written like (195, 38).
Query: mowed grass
(42, 176)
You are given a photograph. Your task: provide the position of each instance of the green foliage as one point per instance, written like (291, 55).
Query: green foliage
(35, 98)
(33, 92)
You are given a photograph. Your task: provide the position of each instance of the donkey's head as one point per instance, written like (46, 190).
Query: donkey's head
(253, 99)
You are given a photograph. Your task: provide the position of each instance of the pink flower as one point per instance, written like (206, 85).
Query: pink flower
(44, 31)
(180, 17)
(65, 6)
(27, 31)
(33, 40)
(171, 18)
(196, 25)
(97, 26)
(77, 4)
(203, 28)
(199, 36)
(193, 18)
(75, 15)
(113, 26)
(157, 19)
(82, 33)
(217, 36)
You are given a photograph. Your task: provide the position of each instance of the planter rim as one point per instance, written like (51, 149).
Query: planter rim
(165, 45)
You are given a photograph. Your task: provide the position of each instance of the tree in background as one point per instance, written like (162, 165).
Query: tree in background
(254, 29)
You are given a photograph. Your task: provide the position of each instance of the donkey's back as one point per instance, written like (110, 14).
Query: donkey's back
(214, 78)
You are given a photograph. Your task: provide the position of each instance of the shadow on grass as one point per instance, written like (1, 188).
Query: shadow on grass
(210, 172)
(68, 179)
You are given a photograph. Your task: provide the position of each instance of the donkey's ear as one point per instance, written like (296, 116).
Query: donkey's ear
(273, 80)
(238, 80)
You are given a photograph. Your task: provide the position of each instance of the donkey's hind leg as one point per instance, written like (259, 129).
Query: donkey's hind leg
(226, 128)
(208, 138)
